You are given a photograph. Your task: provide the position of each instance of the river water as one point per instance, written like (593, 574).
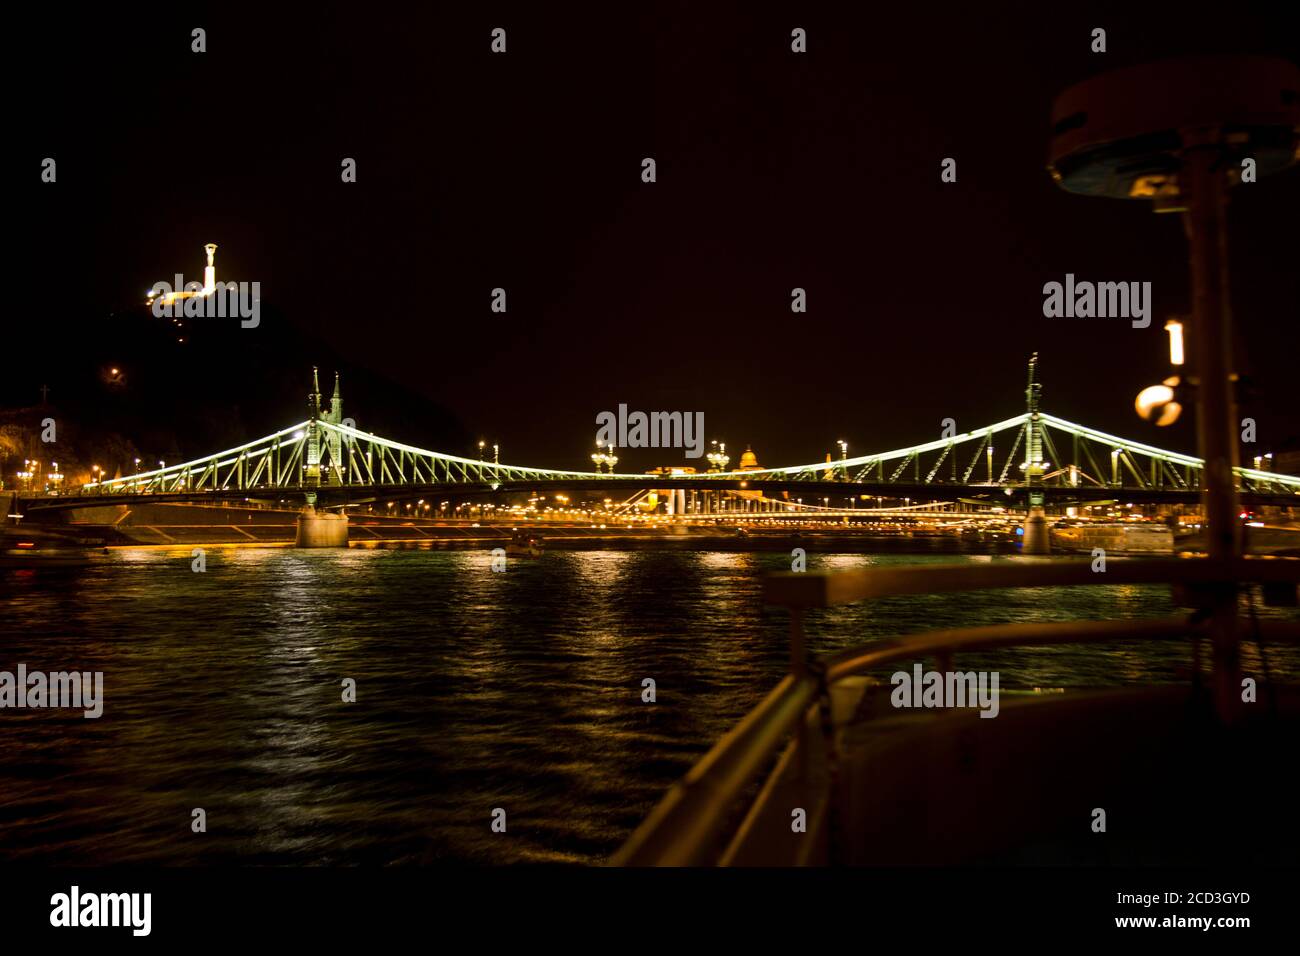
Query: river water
(474, 690)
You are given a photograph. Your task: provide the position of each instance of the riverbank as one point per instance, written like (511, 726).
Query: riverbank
(184, 525)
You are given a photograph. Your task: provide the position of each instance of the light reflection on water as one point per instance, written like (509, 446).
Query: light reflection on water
(475, 690)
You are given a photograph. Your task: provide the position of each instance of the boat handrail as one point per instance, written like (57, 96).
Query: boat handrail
(810, 589)
(693, 812)
(687, 827)
(942, 644)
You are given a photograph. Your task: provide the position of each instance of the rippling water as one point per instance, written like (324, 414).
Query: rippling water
(476, 690)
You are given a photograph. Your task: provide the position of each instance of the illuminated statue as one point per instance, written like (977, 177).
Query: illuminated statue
(210, 272)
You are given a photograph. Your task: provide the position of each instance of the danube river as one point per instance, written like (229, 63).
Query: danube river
(474, 690)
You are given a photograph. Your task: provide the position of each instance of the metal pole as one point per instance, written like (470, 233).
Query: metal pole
(1204, 189)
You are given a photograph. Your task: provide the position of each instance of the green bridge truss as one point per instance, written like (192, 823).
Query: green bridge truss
(319, 453)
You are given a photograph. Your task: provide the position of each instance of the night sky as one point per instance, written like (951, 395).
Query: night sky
(522, 170)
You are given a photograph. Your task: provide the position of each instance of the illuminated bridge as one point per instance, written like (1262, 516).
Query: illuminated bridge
(326, 462)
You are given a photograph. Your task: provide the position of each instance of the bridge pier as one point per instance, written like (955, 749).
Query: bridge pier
(1038, 540)
(321, 529)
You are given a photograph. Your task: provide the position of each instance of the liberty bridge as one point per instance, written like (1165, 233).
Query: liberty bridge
(1031, 460)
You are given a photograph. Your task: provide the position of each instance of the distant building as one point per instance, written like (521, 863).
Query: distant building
(674, 499)
(1287, 462)
(1284, 457)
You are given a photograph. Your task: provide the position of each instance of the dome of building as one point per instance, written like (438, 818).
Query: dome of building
(749, 461)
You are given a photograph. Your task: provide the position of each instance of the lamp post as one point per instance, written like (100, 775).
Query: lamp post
(718, 460)
(604, 459)
(1208, 115)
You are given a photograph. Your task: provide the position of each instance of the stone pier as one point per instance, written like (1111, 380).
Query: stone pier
(321, 529)
(1037, 539)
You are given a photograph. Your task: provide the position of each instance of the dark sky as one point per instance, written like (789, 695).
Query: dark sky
(522, 171)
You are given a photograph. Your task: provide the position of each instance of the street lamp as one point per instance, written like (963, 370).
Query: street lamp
(606, 459)
(1175, 330)
(718, 458)
(1159, 403)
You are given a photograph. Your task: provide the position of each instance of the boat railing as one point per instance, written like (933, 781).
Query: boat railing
(695, 822)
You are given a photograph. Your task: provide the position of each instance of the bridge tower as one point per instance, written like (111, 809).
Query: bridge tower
(321, 530)
(1037, 537)
(318, 438)
(311, 475)
(335, 417)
